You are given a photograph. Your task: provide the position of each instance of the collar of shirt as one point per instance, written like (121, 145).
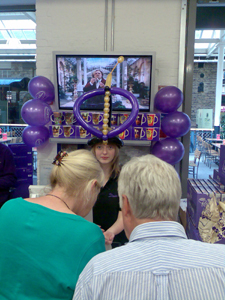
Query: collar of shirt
(158, 229)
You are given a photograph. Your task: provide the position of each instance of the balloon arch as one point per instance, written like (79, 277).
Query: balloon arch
(36, 113)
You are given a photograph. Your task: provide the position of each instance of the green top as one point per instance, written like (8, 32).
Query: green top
(43, 251)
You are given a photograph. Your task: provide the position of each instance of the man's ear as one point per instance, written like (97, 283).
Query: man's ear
(126, 206)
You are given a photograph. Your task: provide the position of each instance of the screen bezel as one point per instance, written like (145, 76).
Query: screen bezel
(101, 54)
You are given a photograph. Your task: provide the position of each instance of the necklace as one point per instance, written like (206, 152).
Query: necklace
(59, 199)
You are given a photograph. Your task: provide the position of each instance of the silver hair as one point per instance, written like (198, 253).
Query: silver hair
(152, 187)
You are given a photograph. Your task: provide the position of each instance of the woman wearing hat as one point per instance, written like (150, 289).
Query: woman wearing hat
(106, 211)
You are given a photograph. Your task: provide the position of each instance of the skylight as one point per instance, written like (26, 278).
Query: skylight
(206, 42)
(207, 34)
(17, 35)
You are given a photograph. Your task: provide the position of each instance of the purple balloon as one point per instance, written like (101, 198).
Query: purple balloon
(168, 99)
(42, 88)
(130, 120)
(176, 124)
(35, 112)
(170, 150)
(35, 135)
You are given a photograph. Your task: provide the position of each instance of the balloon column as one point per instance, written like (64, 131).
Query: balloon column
(175, 124)
(36, 112)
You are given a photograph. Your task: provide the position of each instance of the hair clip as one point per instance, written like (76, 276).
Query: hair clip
(58, 159)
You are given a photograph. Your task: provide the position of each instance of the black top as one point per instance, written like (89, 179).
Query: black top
(106, 209)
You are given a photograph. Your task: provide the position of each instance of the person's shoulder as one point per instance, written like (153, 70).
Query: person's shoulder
(12, 203)
(3, 147)
(89, 227)
(114, 177)
(200, 245)
(110, 258)
(113, 183)
(107, 262)
(92, 236)
(215, 246)
(206, 251)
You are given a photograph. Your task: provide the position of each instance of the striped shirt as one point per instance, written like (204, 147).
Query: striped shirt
(159, 262)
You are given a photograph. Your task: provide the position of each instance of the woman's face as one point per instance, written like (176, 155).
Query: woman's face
(105, 153)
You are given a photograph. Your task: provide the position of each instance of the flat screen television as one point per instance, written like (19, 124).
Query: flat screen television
(78, 73)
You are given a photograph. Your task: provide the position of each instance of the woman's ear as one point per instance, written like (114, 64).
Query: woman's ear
(94, 185)
(95, 188)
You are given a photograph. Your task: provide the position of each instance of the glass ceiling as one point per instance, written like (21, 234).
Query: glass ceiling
(206, 43)
(17, 36)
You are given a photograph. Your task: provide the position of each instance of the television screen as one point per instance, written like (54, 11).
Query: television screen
(77, 74)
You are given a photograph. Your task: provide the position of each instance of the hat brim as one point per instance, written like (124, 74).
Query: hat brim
(114, 140)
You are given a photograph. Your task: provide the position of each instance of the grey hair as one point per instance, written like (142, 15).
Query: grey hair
(76, 174)
(152, 187)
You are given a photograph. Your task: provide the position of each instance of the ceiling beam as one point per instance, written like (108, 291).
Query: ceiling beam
(9, 8)
(212, 49)
(31, 15)
(17, 51)
(23, 42)
(206, 41)
(13, 17)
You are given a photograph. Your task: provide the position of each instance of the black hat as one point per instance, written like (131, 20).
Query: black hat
(114, 140)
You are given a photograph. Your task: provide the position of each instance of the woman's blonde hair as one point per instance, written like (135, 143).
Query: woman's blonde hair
(115, 162)
(76, 173)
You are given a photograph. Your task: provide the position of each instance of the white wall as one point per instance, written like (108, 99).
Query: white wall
(78, 25)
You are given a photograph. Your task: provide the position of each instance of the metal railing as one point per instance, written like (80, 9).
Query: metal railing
(204, 133)
(13, 130)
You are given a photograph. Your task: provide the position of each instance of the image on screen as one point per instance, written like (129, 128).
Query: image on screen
(79, 74)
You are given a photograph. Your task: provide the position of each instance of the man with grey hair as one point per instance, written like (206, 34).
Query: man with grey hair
(159, 262)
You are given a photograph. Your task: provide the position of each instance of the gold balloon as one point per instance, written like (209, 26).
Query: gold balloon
(105, 121)
(107, 93)
(105, 142)
(106, 116)
(120, 59)
(106, 99)
(104, 131)
(106, 110)
(106, 105)
(105, 126)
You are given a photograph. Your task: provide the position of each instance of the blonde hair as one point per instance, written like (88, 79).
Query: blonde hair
(152, 187)
(76, 173)
(115, 168)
